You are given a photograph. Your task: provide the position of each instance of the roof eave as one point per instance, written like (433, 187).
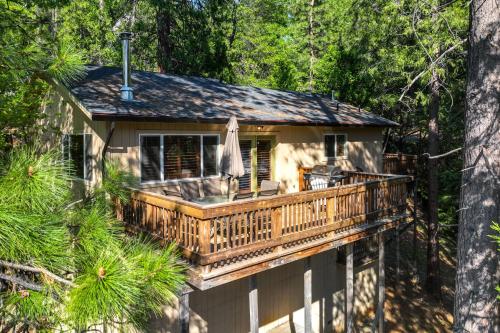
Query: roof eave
(126, 117)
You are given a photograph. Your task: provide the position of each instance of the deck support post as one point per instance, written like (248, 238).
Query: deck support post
(253, 304)
(415, 227)
(398, 257)
(184, 311)
(381, 283)
(307, 295)
(349, 289)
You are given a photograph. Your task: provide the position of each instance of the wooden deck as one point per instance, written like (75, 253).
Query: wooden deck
(401, 164)
(224, 242)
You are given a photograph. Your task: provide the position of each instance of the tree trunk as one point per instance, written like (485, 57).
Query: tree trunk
(433, 279)
(165, 46)
(234, 24)
(478, 271)
(102, 31)
(310, 33)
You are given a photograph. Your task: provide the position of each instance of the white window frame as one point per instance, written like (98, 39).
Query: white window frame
(85, 171)
(162, 175)
(346, 150)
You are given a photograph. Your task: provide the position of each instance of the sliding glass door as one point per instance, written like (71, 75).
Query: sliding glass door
(257, 154)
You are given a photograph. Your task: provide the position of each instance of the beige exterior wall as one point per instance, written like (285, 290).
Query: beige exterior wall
(63, 116)
(294, 146)
(224, 309)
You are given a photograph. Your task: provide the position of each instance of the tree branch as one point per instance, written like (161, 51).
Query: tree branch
(432, 64)
(36, 270)
(21, 282)
(442, 155)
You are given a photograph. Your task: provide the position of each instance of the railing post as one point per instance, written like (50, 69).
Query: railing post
(301, 179)
(276, 225)
(370, 190)
(118, 209)
(330, 210)
(147, 217)
(204, 236)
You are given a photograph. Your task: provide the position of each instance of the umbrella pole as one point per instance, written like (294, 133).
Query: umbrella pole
(228, 187)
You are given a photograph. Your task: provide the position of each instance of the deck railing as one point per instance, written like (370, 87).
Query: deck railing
(353, 177)
(239, 232)
(400, 164)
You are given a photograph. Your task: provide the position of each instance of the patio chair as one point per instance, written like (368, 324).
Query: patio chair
(268, 188)
(212, 186)
(243, 195)
(190, 190)
(172, 190)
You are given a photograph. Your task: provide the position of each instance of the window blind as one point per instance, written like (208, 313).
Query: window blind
(150, 158)
(341, 143)
(335, 145)
(263, 160)
(77, 150)
(330, 145)
(181, 156)
(210, 144)
(246, 155)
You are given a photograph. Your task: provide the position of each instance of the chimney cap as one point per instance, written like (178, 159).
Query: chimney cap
(125, 35)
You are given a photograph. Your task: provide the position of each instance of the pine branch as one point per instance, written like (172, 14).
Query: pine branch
(432, 64)
(36, 270)
(21, 282)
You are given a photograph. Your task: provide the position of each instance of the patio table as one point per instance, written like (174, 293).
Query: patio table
(213, 199)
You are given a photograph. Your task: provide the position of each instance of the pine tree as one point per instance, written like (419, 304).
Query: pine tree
(69, 264)
(28, 53)
(478, 268)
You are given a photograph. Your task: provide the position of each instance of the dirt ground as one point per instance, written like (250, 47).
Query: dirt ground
(408, 308)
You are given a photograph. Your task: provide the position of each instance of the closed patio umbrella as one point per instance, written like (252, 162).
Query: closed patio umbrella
(232, 162)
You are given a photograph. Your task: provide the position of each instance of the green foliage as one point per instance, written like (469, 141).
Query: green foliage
(34, 182)
(156, 271)
(112, 277)
(105, 290)
(29, 51)
(117, 183)
(66, 66)
(496, 228)
(97, 231)
(40, 240)
(34, 307)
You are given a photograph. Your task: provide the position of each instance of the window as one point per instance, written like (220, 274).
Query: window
(181, 156)
(77, 149)
(150, 158)
(168, 157)
(210, 148)
(335, 145)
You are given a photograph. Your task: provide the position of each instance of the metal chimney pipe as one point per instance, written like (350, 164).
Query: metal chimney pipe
(126, 92)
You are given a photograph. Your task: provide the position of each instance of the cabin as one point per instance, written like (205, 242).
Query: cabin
(306, 257)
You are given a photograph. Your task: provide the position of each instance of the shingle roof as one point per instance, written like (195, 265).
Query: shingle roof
(161, 97)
